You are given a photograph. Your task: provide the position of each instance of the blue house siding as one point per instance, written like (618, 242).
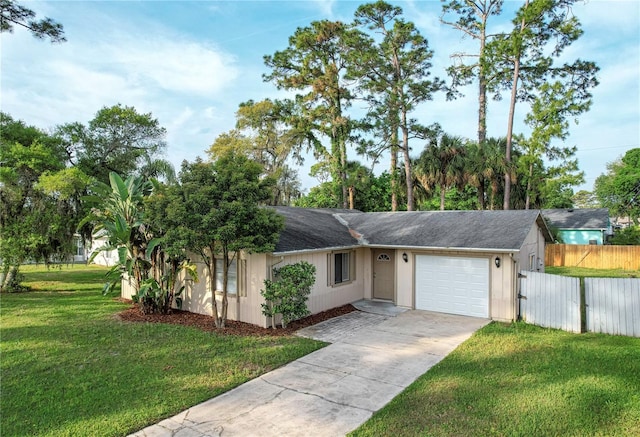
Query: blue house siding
(581, 236)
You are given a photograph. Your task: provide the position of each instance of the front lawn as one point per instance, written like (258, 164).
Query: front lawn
(582, 272)
(521, 380)
(70, 367)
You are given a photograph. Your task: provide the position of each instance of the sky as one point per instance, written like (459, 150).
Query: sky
(191, 63)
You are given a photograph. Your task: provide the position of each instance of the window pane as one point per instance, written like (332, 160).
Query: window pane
(345, 267)
(219, 268)
(337, 268)
(232, 279)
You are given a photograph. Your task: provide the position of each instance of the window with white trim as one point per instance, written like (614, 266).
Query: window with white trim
(232, 279)
(532, 262)
(341, 267)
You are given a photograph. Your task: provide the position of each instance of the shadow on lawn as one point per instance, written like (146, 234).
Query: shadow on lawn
(523, 380)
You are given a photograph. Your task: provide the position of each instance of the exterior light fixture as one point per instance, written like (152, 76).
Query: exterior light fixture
(497, 261)
(405, 257)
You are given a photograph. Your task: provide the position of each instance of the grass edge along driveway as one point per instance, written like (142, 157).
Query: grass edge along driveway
(522, 380)
(69, 367)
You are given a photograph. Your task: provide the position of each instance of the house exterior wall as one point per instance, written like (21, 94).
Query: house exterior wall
(581, 236)
(244, 305)
(533, 246)
(323, 295)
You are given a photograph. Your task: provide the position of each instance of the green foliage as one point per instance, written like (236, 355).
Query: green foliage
(394, 78)
(287, 295)
(216, 212)
(117, 139)
(119, 215)
(314, 64)
(472, 19)
(619, 188)
(13, 13)
(522, 61)
(585, 199)
(441, 165)
(40, 199)
(626, 236)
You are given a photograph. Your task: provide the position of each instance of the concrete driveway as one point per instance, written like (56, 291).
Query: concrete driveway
(332, 391)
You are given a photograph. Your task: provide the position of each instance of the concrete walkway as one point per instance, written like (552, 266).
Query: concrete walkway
(330, 392)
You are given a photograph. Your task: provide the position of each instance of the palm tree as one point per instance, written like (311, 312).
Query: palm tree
(487, 164)
(441, 165)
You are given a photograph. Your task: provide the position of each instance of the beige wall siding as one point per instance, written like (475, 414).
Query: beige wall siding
(367, 276)
(502, 287)
(197, 296)
(405, 280)
(127, 290)
(533, 245)
(323, 295)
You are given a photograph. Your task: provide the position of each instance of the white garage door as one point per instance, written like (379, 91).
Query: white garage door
(454, 285)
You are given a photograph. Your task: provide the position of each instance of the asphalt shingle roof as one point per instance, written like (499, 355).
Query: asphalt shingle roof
(579, 218)
(309, 229)
(313, 228)
(445, 229)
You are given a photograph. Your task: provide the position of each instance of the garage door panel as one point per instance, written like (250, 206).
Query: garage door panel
(455, 285)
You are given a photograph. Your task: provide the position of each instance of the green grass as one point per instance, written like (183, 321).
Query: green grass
(69, 367)
(521, 380)
(582, 272)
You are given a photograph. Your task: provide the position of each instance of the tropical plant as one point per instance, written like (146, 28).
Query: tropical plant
(441, 165)
(119, 215)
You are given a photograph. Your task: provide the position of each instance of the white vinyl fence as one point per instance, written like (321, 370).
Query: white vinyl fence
(550, 301)
(613, 305)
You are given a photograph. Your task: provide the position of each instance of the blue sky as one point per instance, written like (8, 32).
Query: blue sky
(191, 63)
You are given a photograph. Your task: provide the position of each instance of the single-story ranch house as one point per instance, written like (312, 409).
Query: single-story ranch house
(459, 262)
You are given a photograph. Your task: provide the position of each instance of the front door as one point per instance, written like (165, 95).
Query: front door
(383, 274)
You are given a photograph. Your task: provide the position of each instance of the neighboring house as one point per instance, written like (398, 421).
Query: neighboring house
(580, 226)
(459, 262)
(83, 253)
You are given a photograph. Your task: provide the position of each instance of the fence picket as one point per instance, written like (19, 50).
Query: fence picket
(551, 301)
(613, 305)
(593, 256)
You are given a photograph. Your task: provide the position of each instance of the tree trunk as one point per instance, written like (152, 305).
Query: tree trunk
(512, 109)
(482, 106)
(394, 171)
(528, 197)
(9, 275)
(212, 286)
(407, 162)
(225, 281)
(481, 194)
(343, 173)
(443, 193)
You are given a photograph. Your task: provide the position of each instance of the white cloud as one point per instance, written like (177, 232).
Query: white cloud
(174, 65)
